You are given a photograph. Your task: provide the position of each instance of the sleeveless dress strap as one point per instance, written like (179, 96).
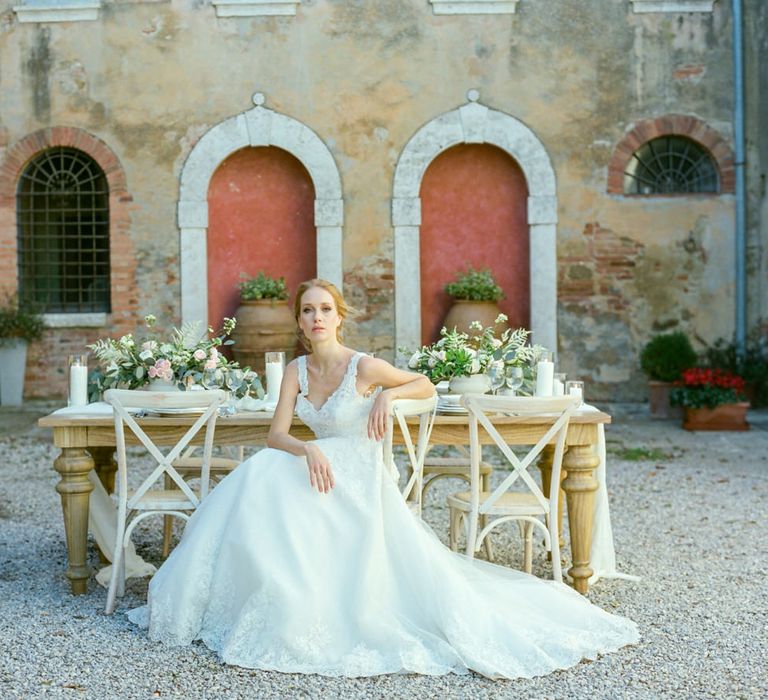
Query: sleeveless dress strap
(303, 383)
(352, 369)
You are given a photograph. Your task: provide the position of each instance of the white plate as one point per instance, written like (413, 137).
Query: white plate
(176, 411)
(442, 408)
(449, 400)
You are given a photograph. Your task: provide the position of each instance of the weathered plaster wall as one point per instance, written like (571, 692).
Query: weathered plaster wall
(150, 78)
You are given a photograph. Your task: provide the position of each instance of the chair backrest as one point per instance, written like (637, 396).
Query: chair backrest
(555, 412)
(401, 409)
(122, 400)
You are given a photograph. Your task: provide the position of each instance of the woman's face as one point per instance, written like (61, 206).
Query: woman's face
(318, 317)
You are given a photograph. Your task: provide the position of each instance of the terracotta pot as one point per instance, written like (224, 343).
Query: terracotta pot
(464, 311)
(729, 416)
(658, 401)
(263, 325)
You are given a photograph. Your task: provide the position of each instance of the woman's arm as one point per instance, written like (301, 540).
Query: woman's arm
(397, 383)
(320, 474)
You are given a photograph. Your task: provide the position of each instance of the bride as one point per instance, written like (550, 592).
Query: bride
(306, 558)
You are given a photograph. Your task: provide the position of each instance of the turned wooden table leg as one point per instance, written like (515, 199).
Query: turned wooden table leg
(106, 468)
(580, 485)
(545, 467)
(73, 464)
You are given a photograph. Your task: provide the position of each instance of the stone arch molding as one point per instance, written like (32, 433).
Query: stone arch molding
(475, 123)
(256, 127)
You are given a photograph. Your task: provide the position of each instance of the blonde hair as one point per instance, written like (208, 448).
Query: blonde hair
(342, 308)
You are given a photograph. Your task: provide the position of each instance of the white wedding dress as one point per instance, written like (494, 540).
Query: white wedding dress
(273, 575)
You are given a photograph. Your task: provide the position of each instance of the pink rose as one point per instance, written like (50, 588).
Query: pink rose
(210, 364)
(199, 354)
(153, 372)
(162, 369)
(149, 345)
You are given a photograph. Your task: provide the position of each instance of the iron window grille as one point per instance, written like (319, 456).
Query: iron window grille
(671, 165)
(62, 205)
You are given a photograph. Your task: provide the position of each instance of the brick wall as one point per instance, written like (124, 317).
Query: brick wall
(45, 376)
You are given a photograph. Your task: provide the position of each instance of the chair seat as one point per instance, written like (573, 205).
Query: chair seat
(510, 503)
(168, 499)
(454, 466)
(192, 465)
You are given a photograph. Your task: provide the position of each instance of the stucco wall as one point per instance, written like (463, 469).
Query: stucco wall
(150, 78)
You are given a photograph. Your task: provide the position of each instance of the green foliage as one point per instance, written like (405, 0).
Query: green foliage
(262, 287)
(475, 285)
(16, 322)
(752, 365)
(665, 357)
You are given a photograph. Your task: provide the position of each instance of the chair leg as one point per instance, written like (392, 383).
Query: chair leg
(557, 572)
(528, 556)
(453, 522)
(167, 534)
(487, 544)
(117, 556)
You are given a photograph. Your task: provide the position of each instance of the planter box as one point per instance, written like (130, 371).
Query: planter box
(658, 401)
(729, 416)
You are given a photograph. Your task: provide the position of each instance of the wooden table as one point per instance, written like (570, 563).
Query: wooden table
(88, 441)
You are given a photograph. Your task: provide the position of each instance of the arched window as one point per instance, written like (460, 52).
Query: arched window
(671, 165)
(62, 204)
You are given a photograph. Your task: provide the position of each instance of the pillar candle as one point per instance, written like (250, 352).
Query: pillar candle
(545, 371)
(78, 385)
(274, 372)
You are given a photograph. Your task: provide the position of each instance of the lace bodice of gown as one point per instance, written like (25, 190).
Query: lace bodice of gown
(345, 412)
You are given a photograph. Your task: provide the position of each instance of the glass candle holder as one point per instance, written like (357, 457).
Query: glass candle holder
(575, 388)
(77, 380)
(558, 384)
(274, 365)
(545, 371)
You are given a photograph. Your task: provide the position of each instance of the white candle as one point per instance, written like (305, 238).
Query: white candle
(576, 391)
(545, 371)
(559, 387)
(78, 385)
(274, 372)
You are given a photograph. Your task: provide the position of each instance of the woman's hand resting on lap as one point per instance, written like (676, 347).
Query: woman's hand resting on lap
(320, 474)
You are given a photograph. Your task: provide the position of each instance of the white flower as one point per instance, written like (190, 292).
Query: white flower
(496, 342)
(431, 362)
(440, 355)
(474, 368)
(501, 318)
(413, 363)
(475, 326)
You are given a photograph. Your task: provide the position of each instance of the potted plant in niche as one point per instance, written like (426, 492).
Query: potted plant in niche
(18, 328)
(712, 399)
(264, 320)
(475, 298)
(663, 359)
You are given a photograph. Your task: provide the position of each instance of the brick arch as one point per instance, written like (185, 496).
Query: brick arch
(73, 332)
(672, 125)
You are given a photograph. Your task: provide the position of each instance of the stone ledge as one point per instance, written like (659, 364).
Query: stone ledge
(643, 6)
(474, 7)
(77, 320)
(47, 11)
(255, 8)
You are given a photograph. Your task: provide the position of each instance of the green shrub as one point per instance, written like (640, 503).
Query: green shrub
(752, 365)
(262, 287)
(666, 356)
(16, 322)
(475, 285)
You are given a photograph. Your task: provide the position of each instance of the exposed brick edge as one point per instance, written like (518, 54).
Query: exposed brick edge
(42, 377)
(678, 125)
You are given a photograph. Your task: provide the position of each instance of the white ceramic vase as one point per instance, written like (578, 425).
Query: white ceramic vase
(474, 384)
(162, 385)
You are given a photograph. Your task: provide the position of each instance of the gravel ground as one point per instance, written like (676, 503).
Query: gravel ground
(687, 509)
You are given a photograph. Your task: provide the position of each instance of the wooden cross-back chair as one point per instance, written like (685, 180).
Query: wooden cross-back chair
(530, 507)
(135, 505)
(401, 410)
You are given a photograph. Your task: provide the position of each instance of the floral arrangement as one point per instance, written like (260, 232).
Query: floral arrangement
(182, 358)
(475, 285)
(458, 354)
(262, 287)
(707, 388)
